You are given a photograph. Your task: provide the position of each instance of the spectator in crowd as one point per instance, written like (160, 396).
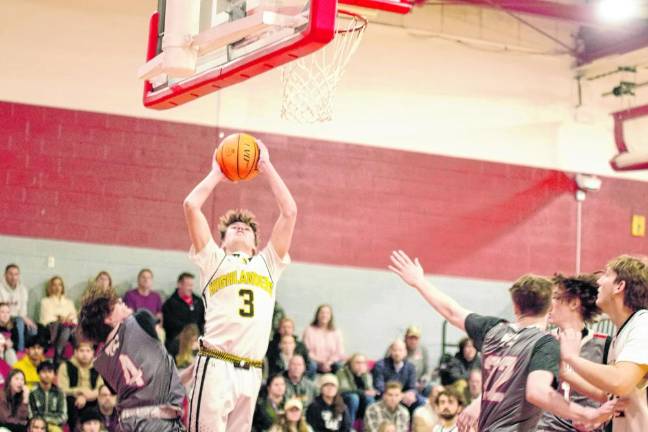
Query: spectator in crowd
(143, 296)
(292, 419)
(418, 355)
(47, 400)
(286, 351)
(90, 421)
(106, 407)
(188, 346)
(287, 327)
(37, 424)
(7, 354)
(448, 405)
(454, 370)
(15, 294)
(59, 315)
(269, 407)
(356, 386)
(103, 279)
(396, 367)
(297, 383)
(181, 309)
(80, 381)
(29, 363)
(474, 385)
(14, 405)
(425, 417)
(8, 326)
(388, 409)
(324, 341)
(278, 314)
(328, 412)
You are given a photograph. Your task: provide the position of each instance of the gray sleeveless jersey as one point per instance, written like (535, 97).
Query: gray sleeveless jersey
(506, 355)
(593, 349)
(139, 369)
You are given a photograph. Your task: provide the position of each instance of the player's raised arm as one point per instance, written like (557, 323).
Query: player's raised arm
(196, 221)
(412, 273)
(282, 232)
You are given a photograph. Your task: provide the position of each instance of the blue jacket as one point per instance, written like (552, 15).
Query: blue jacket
(384, 371)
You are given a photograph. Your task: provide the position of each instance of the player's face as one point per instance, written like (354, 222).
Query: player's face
(12, 276)
(17, 383)
(91, 426)
(447, 407)
(607, 288)
(239, 237)
(392, 398)
(84, 354)
(559, 311)
(119, 313)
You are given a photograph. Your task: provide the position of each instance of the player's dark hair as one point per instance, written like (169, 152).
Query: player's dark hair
(10, 266)
(185, 275)
(450, 393)
(97, 303)
(583, 287)
(634, 272)
(238, 215)
(532, 295)
(315, 322)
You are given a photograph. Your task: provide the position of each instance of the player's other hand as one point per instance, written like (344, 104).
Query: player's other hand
(570, 340)
(410, 271)
(264, 155)
(601, 414)
(216, 169)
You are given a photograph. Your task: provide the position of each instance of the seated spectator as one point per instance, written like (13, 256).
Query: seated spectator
(287, 327)
(90, 421)
(324, 341)
(474, 385)
(8, 326)
(278, 314)
(388, 409)
(356, 386)
(47, 400)
(418, 355)
(425, 417)
(14, 402)
(286, 352)
(80, 381)
(37, 424)
(448, 405)
(269, 407)
(188, 346)
(181, 309)
(29, 363)
(297, 384)
(106, 407)
(328, 412)
(103, 279)
(143, 296)
(59, 315)
(292, 419)
(395, 367)
(7, 354)
(454, 371)
(15, 294)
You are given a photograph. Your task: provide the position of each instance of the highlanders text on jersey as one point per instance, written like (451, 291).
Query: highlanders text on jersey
(239, 296)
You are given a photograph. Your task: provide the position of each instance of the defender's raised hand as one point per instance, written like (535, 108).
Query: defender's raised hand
(410, 271)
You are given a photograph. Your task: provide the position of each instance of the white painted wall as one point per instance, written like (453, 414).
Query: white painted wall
(404, 88)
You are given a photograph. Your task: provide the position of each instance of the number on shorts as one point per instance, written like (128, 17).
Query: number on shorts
(247, 310)
(498, 373)
(132, 374)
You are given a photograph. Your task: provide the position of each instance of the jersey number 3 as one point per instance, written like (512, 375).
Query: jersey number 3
(247, 310)
(132, 374)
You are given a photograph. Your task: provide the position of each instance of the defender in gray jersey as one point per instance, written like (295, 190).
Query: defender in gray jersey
(519, 360)
(134, 363)
(573, 304)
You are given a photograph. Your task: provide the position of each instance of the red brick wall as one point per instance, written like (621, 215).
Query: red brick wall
(111, 179)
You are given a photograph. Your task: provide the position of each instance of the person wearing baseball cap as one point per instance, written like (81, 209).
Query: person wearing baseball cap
(418, 355)
(328, 411)
(292, 419)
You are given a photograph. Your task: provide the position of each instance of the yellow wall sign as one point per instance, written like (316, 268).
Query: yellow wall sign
(638, 225)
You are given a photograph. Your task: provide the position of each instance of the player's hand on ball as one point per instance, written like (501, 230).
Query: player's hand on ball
(570, 340)
(410, 271)
(264, 155)
(216, 169)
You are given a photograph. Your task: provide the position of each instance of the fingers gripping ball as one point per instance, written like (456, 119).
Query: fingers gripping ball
(238, 156)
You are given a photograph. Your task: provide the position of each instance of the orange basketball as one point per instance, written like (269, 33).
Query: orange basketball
(238, 155)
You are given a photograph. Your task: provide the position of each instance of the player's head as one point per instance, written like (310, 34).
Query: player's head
(573, 298)
(238, 232)
(393, 394)
(448, 404)
(625, 282)
(531, 296)
(101, 311)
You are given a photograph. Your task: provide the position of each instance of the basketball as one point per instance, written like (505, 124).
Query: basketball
(238, 155)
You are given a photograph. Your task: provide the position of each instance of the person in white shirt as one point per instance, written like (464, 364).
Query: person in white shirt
(15, 294)
(238, 286)
(623, 296)
(448, 405)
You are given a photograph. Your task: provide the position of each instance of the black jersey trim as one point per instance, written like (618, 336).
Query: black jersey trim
(202, 384)
(210, 279)
(626, 322)
(193, 392)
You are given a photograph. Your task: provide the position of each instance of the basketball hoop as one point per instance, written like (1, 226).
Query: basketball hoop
(309, 83)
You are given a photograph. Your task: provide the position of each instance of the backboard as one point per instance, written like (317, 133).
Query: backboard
(197, 47)
(631, 138)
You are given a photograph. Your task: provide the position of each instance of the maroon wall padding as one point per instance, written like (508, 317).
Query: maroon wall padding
(109, 179)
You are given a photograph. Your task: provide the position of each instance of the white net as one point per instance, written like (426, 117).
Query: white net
(309, 83)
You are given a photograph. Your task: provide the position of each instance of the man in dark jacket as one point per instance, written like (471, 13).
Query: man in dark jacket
(181, 309)
(396, 367)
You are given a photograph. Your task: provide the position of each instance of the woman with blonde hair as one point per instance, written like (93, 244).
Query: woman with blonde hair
(59, 315)
(292, 419)
(103, 279)
(188, 346)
